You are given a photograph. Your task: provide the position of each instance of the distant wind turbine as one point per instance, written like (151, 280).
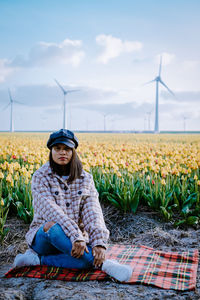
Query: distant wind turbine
(145, 122)
(11, 102)
(104, 121)
(184, 123)
(65, 92)
(158, 80)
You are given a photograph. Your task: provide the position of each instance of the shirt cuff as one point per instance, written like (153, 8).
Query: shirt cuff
(76, 237)
(101, 243)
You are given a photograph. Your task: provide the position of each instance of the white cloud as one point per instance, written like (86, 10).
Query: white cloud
(46, 95)
(113, 47)
(167, 58)
(42, 54)
(4, 70)
(183, 96)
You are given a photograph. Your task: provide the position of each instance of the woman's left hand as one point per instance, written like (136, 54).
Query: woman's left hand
(99, 254)
(78, 249)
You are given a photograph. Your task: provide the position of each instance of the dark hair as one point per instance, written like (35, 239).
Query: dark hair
(73, 168)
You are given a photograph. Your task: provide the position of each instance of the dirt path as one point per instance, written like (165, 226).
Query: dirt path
(143, 228)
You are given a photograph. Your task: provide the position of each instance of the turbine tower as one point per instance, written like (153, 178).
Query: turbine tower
(65, 92)
(184, 123)
(158, 80)
(104, 121)
(11, 102)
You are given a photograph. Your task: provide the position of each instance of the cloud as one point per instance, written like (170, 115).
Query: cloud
(42, 54)
(167, 58)
(96, 102)
(113, 47)
(178, 110)
(184, 96)
(5, 71)
(52, 96)
(129, 109)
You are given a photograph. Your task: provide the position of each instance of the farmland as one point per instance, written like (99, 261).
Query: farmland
(130, 170)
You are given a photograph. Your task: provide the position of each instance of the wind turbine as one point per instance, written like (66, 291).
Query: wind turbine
(104, 121)
(65, 92)
(184, 123)
(11, 102)
(158, 80)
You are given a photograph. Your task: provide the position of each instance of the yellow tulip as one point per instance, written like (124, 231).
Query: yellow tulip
(26, 180)
(148, 178)
(163, 182)
(9, 178)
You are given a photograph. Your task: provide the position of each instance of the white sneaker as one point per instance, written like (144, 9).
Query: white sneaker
(119, 271)
(29, 258)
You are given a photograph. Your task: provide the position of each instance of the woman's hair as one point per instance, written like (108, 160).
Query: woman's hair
(73, 168)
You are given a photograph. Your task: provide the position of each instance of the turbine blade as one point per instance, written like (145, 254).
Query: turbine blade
(160, 67)
(60, 86)
(71, 91)
(15, 101)
(149, 82)
(6, 106)
(166, 87)
(9, 92)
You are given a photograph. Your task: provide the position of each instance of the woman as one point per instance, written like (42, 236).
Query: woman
(68, 228)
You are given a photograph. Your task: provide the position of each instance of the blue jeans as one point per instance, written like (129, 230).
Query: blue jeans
(54, 249)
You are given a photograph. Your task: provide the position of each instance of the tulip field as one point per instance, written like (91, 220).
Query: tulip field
(130, 170)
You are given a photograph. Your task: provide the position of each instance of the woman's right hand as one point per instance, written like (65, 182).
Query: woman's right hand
(78, 249)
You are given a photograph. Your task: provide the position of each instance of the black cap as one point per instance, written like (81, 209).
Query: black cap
(63, 136)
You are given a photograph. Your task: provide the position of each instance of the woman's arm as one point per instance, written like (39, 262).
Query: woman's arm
(92, 218)
(46, 208)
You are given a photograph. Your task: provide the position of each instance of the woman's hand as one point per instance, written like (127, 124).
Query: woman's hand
(78, 249)
(99, 254)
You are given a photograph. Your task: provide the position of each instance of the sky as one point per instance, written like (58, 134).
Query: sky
(107, 52)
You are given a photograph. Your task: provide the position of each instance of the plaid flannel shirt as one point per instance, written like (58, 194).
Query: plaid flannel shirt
(67, 204)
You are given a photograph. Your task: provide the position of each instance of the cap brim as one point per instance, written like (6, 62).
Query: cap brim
(68, 143)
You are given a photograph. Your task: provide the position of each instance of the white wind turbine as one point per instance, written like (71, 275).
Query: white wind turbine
(104, 121)
(158, 80)
(11, 102)
(184, 122)
(65, 92)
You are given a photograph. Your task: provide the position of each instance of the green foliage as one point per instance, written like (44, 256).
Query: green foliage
(4, 208)
(175, 197)
(168, 196)
(22, 200)
(123, 192)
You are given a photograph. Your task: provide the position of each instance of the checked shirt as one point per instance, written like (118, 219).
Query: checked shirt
(67, 204)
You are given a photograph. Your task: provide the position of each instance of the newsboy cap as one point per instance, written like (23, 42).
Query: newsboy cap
(63, 136)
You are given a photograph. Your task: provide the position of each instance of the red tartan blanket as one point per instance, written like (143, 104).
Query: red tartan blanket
(167, 270)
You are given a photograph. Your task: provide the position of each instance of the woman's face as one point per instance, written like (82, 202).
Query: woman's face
(61, 154)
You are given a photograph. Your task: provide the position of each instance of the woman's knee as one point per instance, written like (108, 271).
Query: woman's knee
(48, 225)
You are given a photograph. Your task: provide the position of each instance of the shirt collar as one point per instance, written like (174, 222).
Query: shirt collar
(50, 172)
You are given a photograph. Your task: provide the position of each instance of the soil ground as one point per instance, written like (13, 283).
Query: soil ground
(144, 228)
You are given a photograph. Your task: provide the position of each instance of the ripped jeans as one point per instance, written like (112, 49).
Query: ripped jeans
(54, 249)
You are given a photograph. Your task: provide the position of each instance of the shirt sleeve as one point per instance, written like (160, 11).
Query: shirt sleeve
(92, 218)
(45, 206)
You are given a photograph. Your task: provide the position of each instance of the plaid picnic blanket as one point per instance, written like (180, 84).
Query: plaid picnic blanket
(167, 270)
